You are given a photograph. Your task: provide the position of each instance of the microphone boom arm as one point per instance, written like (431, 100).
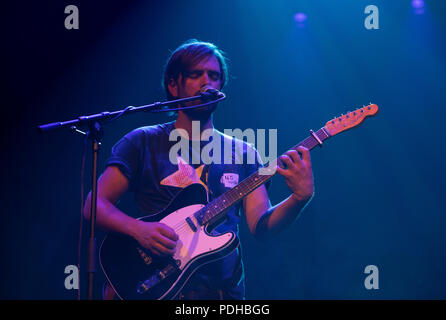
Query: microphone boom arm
(214, 96)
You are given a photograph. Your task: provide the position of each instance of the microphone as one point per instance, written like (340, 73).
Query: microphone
(209, 93)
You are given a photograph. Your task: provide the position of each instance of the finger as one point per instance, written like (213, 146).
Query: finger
(154, 250)
(305, 155)
(165, 242)
(281, 171)
(294, 155)
(167, 231)
(162, 249)
(287, 160)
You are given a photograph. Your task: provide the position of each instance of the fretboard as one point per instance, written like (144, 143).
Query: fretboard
(217, 208)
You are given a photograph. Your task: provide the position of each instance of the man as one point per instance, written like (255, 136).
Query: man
(140, 163)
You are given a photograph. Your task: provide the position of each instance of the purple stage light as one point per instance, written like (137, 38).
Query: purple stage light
(418, 6)
(300, 17)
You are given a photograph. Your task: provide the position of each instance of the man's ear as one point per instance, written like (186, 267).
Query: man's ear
(173, 88)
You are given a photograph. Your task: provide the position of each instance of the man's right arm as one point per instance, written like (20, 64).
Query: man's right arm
(112, 184)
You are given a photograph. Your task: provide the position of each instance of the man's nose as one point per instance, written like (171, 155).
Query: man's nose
(205, 80)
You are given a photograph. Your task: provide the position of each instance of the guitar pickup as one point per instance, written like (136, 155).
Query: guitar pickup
(144, 286)
(147, 259)
(191, 224)
(160, 275)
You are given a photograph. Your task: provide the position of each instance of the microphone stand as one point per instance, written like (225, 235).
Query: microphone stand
(94, 124)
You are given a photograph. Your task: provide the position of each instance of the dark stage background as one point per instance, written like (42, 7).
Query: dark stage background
(379, 188)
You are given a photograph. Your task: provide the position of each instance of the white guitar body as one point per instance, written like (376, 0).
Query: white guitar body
(192, 244)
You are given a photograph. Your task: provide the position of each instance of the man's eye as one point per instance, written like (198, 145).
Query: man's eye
(194, 74)
(214, 76)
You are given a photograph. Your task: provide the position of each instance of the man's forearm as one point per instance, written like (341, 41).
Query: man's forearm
(110, 218)
(280, 216)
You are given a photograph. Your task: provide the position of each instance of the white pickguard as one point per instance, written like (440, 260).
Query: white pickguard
(192, 244)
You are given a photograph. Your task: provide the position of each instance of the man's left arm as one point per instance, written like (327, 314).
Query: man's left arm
(263, 219)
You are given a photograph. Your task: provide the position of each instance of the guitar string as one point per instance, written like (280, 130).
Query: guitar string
(184, 223)
(250, 184)
(254, 183)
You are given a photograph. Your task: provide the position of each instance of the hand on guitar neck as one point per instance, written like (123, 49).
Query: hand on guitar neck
(298, 173)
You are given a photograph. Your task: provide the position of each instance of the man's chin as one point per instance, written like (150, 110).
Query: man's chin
(202, 114)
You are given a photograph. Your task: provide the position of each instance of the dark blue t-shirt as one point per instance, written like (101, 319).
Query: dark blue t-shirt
(143, 157)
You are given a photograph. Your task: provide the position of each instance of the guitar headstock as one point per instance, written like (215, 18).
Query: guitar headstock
(350, 120)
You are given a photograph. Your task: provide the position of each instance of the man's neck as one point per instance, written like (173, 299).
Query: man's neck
(184, 122)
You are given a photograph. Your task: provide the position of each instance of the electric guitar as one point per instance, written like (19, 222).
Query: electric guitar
(135, 273)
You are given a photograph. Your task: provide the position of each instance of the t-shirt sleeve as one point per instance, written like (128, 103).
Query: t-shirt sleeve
(125, 155)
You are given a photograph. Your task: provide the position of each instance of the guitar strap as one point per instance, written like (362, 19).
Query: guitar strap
(206, 171)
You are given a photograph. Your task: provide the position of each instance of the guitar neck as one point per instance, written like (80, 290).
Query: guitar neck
(217, 208)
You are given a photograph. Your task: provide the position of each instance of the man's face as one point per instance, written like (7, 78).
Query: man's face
(206, 73)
